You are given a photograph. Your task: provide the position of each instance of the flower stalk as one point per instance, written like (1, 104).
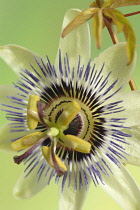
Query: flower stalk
(132, 13)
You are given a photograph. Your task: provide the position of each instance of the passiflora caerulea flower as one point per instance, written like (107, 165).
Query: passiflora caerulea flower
(71, 120)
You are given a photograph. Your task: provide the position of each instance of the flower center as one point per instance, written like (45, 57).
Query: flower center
(66, 126)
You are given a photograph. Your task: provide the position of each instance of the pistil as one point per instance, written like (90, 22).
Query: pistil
(49, 153)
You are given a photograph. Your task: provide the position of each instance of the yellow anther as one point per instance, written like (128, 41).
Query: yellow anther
(46, 151)
(32, 105)
(69, 113)
(27, 141)
(76, 143)
(34, 114)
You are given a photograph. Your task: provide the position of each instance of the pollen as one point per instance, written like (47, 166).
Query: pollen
(27, 141)
(32, 121)
(34, 114)
(76, 143)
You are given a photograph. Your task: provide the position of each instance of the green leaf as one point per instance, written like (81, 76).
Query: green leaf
(122, 3)
(124, 25)
(100, 3)
(97, 28)
(84, 16)
(93, 4)
(107, 4)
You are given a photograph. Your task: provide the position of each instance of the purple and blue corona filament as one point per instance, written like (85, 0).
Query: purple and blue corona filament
(56, 87)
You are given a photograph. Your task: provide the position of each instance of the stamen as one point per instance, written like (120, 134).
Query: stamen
(32, 105)
(34, 114)
(68, 114)
(27, 141)
(19, 159)
(76, 143)
(58, 164)
(53, 160)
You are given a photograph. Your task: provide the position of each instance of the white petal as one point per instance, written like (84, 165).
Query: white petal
(18, 57)
(71, 199)
(5, 132)
(115, 60)
(27, 187)
(5, 137)
(131, 104)
(76, 43)
(6, 90)
(133, 147)
(121, 187)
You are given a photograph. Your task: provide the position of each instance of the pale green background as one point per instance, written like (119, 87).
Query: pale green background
(36, 24)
